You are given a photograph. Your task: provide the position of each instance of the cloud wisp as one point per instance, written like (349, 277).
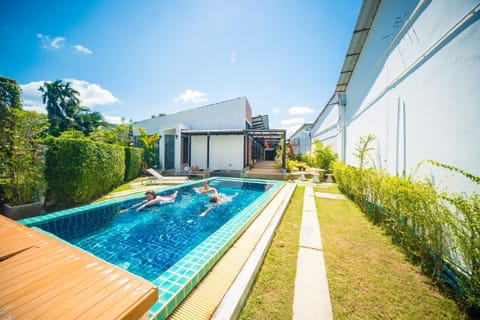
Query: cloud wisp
(82, 49)
(194, 96)
(58, 43)
(299, 110)
(49, 43)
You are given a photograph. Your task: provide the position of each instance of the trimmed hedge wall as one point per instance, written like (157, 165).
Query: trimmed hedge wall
(438, 230)
(133, 162)
(80, 170)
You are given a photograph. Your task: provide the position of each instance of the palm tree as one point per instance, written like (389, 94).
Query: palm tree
(89, 122)
(62, 103)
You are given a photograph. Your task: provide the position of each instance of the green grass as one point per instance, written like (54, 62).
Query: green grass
(327, 188)
(368, 276)
(123, 187)
(272, 293)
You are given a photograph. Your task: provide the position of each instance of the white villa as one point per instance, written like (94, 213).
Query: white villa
(410, 77)
(219, 136)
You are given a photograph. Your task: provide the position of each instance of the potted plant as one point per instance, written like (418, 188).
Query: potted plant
(23, 164)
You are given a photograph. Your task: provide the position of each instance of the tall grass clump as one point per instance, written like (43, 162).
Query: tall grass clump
(439, 230)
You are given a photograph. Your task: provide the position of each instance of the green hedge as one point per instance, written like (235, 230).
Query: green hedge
(80, 170)
(438, 230)
(133, 162)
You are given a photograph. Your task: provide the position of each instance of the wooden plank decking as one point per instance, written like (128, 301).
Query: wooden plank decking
(43, 278)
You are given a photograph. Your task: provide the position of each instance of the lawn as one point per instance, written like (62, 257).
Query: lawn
(368, 276)
(272, 294)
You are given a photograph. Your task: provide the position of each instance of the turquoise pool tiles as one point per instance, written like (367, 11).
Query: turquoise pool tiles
(201, 259)
(177, 282)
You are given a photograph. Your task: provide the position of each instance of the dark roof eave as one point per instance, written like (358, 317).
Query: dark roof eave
(359, 36)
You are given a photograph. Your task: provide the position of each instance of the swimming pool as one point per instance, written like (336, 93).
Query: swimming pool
(171, 245)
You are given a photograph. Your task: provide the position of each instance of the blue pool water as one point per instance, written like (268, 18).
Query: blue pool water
(149, 242)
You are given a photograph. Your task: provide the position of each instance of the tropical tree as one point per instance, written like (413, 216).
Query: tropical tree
(148, 142)
(10, 93)
(324, 156)
(65, 112)
(62, 103)
(26, 165)
(89, 122)
(116, 134)
(21, 148)
(10, 100)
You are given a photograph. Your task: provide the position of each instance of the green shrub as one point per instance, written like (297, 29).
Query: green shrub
(438, 230)
(321, 157)
(133, 162)
(289, 165)
(21, 156)
(298, 165)
(80, 170)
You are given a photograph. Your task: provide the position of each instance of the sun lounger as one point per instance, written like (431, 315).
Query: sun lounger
(157, 177)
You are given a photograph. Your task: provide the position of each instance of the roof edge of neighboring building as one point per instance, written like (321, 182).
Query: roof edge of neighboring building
(195, 108)
(302, 127)
(364, 22)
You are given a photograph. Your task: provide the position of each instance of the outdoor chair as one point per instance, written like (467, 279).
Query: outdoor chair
(158, 178)
(193, 172)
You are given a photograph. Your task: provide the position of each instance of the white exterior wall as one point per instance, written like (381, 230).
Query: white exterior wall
(199, 152)
(301, 143)
(419, 94)
(230, 114)
(225, 153)
(325, 129)
(301, 140)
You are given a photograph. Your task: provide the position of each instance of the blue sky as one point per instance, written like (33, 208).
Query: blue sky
(133, 59)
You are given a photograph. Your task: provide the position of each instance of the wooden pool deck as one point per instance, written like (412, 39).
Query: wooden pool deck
(45, 278)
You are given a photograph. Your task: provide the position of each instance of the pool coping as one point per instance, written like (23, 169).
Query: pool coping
(178, 281)
(234, 299)
(237, 269)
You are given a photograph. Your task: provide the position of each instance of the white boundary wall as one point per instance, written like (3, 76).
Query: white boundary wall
(418, 93)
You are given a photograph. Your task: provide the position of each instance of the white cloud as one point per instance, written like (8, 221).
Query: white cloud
(32, 97)
(276, 110)
(233, 57)
(112, 119)
(191, 96)
(300, 110)
(90, 94)
(82, 49)
(293, 121)
(36, 109)
(49, 43)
